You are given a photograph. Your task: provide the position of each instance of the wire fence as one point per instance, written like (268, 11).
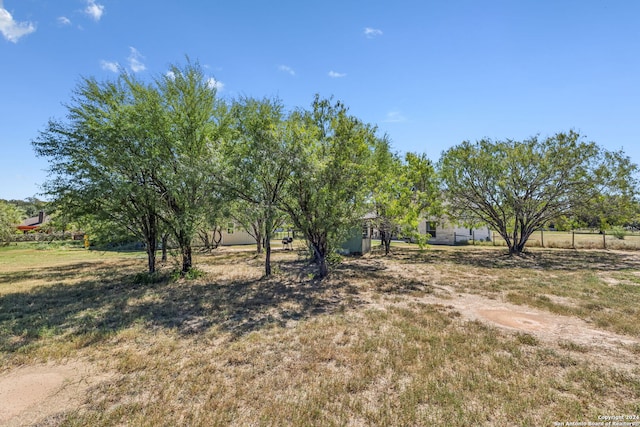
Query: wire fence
(578, 239)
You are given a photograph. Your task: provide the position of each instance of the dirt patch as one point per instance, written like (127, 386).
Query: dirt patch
(510, 319)
(30, 394)
(604, 348)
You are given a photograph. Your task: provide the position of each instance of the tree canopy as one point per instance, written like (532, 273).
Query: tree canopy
(517, 187)
(403, 193)
(258, 159)
(10, 216)
(330, 166)
(137, 154)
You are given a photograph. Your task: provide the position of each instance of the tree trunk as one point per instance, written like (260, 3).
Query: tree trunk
(320, 257)
(216, 237)
(258, 236)
(267, 259)
(185, 249)
(151, 254)
(165, 240)
(187, 262)
(387, 243)
(516, 248)
(151, 240)
(323, 269)
(268, 226)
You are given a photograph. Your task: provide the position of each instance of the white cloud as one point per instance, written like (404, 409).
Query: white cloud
(287, 69)
(12, 30)
(135, 60)
(394, 117)
(372, 32)
(63, 20)
(114, 67)
(171, 75)
(215, 84)
(94, 10)
(336, 75)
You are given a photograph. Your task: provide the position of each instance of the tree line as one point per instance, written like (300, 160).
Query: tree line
(168, 158)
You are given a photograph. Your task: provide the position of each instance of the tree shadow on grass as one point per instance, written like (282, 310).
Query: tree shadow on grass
(92, 310)
(55, 274)
(545, 259)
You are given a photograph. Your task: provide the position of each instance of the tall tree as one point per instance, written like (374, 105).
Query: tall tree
(189, 153)
(403, 193)
(518, 187)
(102, 158)
(259, 159)
(331, 160)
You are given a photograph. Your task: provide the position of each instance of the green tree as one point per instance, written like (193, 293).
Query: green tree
(403, 193)
(102, 159)
(614, 204)
(10, 216)
(31, 206)
(518, 187)
(331, 159)
(259, 157)
(189, 153)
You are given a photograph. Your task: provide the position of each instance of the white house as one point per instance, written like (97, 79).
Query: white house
(233, 234)
(444, 232)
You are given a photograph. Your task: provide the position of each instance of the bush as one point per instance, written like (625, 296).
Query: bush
(618, 233)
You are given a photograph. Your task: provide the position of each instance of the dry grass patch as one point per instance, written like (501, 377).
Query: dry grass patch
(372, 367)
(564, 282)
(360, 348)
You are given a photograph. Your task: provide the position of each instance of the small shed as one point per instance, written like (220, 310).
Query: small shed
(358, 241)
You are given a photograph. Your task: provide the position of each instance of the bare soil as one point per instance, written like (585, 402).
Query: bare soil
(34, 394)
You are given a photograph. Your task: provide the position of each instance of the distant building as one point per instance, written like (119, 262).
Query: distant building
(34, 223)
(446, 233)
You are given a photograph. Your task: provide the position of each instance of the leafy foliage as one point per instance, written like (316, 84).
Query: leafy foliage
(258, 157)
(330, 161)
(10, 216)
(137, 155)
(403, 193)
(518, 187)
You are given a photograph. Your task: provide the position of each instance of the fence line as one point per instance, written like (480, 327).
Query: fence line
(577, 240)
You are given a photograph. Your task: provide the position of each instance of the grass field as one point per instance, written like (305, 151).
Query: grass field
(578, 240)
(382, 341)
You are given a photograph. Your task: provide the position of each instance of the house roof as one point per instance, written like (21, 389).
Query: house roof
(34, 222)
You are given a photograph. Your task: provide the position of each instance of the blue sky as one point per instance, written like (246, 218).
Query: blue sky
(430, 74)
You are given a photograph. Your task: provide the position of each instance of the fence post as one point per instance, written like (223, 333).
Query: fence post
(542, 237)
(473, 237)
(573, 239)
(604, 239)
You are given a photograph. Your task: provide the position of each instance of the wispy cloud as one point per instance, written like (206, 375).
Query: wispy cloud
(336, 75)
(286, 69)
(11, 29)
(94, 10)
(394, 117)
(215, 84)
(63, 20)
(114, 67)
(135, 60)
(372, 32)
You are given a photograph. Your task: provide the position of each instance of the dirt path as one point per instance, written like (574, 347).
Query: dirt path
(605, 348)
(30, 394)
